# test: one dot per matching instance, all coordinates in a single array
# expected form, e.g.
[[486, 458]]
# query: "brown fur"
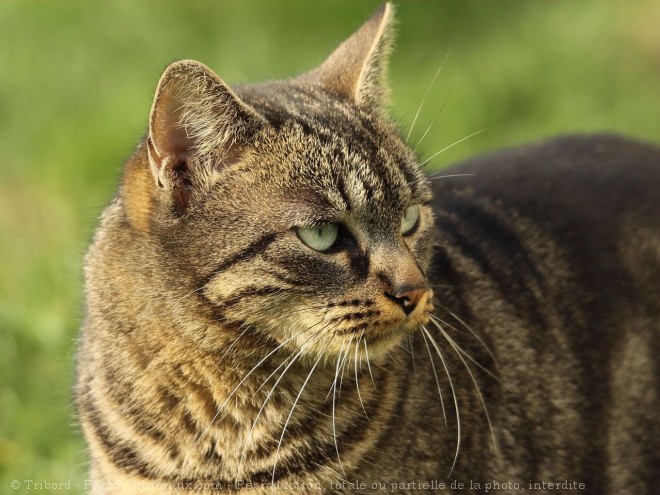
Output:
[[220, 350]]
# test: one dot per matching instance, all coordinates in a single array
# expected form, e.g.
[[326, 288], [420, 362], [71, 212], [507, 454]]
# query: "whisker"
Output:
[[231, 394], [366, 353], [231, 346], [437, 116], [261, 410], [437, 382], [357, 381], [270, 393], [334, 416], [463, 351], [428, 89], [474, 380], [286, 423], [343, 365], [438, 177], [191, 293], [450, 146], [475, 334], [263, 384], [302, 345], [412, 353], [395, 361], [453, 392]]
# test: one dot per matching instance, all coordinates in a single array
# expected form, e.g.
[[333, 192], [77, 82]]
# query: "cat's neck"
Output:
[[256, 412]]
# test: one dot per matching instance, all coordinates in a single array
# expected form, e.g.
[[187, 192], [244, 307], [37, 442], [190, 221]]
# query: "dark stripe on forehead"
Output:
[[378, 173], [254, 249], [410, 175], [341, 188], [369, 180]]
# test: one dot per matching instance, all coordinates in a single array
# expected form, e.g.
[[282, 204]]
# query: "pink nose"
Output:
[[408, 299]]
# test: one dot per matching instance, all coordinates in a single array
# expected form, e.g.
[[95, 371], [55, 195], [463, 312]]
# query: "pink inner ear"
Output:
[[168, 133]]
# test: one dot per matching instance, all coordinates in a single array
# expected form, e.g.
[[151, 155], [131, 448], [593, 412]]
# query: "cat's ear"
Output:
[[357, 68], [195, 114]]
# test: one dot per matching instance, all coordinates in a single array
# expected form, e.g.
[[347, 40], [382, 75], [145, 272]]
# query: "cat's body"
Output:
[[223, 349], [551, 253]]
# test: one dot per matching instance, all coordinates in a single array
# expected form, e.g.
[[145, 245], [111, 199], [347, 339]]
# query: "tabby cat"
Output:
[[280, 300]]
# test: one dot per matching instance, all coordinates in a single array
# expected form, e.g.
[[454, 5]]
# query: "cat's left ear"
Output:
[[195, 114], [357, 69]]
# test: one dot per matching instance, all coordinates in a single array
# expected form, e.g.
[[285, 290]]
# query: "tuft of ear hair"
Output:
[[195, 117], [357, 69]]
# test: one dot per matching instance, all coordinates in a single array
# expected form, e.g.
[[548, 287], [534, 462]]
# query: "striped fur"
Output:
[[221, 354]]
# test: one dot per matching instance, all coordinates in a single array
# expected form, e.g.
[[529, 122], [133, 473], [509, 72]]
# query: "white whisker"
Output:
[[453, 392], [438, 177], [343, 365], [419, 109], [474, 380], [412, 353], [465, 353], [231, 346], [254, 368], [191, 293], [231, 394], [334, 416], [263, 406], [450, 146], [286, 423], [437, 382], [437, 116], [475, 334], [357, 381], [366, 353]]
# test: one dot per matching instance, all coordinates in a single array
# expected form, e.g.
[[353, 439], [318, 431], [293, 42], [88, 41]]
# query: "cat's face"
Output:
[[313, 234], [294, 207]]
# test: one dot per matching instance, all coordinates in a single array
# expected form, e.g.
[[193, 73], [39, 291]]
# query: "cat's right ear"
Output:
[[195, 114], [356, 69]]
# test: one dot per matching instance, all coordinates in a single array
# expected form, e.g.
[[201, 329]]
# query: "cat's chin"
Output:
[[381, 341], [304, 334], [371, 343]]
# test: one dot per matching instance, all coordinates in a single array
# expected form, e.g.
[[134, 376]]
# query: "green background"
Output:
[[76, 81]]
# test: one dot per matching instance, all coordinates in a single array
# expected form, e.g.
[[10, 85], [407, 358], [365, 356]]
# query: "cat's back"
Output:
[[597, 175], [594, 198], [555, 250]]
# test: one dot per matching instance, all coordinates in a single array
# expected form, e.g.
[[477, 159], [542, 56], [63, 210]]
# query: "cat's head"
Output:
[[294, 207]]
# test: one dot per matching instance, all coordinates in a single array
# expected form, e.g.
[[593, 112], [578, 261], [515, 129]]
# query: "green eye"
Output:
[[409, 219], [320, 237]]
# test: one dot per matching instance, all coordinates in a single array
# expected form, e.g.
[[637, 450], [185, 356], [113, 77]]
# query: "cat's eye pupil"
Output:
[[410, 220], [319, 237]]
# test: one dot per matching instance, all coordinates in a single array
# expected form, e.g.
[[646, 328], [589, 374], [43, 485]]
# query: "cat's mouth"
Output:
[[383, 325], [370, 327]]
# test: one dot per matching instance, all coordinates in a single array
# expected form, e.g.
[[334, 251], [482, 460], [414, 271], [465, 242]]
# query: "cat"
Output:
[[278, 299]]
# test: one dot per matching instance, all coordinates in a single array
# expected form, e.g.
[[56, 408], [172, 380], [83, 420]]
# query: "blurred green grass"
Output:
[[76, 81]]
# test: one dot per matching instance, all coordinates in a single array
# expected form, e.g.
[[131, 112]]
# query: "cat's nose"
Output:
[[407, 298]]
